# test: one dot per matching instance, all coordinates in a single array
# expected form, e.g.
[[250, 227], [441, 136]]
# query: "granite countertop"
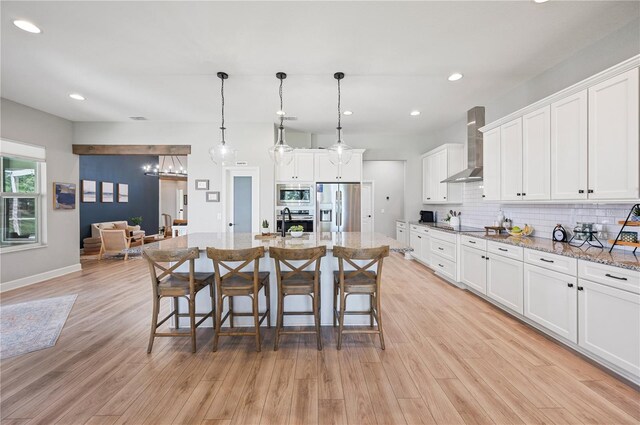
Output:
[[446, 228], [308, 240], [617, 258]]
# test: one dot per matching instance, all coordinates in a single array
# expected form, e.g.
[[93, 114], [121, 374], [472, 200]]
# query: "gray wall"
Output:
[[24, 124], [388, 182]]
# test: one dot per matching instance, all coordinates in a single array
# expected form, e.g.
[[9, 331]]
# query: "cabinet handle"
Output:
[[473, 242], [502, 249], [570, 285], [444, 197], [615, 277], [428, 199], [524, 194], [483, 256], [518, 194], [484, 196], [440, 265], [590, 191], [581, 191], [486, 258], [419, 237], [546, 261], [440, 248], [580, 288]]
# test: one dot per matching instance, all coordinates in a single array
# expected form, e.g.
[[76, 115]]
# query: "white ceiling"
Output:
[[159, 59]]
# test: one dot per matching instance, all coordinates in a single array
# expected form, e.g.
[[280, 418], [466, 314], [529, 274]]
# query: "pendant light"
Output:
[[281, 153], [339, 153], [222, 153]]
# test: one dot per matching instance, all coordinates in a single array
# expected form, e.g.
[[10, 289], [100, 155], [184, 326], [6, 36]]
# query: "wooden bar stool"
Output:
[[170, 283], [297, 281], [236, 283], [360, 281]]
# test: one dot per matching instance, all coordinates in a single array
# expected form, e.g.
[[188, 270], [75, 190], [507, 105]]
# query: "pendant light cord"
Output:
[[281, 110], [222, 97], [339, 115]]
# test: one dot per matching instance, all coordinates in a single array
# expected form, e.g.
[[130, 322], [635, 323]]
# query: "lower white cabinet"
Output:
[[609, 324], [425, 248], [551, 300], [401, 235], [415, 242], [473, 268], [504, 281]]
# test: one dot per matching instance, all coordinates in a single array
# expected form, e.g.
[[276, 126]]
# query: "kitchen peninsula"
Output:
[[309, 240]]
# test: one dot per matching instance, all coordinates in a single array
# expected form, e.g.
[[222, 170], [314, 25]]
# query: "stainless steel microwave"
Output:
[[298, 195]]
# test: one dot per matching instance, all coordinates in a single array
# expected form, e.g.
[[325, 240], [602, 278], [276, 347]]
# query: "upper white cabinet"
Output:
[[491, 155], [300, 169], [536, 155], [327, 172], [613, 138], [437, 165], [511, 160], [569, 141]]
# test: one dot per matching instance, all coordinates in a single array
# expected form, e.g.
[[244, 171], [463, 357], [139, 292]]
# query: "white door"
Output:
[[473, 270], [511, 160], [551, 300], [367, 208], [491, 170], [415, 242], [304, 163], [242, 199], [427, 187], [351, 172], [324, 170], [442, 167], [536, 155], [609, 324], [504, 281], [569, 147], [613, 138]]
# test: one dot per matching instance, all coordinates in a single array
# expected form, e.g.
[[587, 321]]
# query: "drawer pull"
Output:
[[570, 285], [419, 237], [580, 288], [615, 277], [441, 248], [546, 261], [484, 256], [473, 242], [502, 249], [440, 265]]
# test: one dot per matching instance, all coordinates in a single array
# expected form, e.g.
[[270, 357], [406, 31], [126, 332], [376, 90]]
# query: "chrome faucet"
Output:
[[284, 220]]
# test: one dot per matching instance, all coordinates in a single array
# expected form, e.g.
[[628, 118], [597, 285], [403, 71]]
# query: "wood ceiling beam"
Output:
[[131, 149]]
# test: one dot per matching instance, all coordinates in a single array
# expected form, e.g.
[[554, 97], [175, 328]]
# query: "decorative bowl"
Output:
[[296, 234], [525, 232]]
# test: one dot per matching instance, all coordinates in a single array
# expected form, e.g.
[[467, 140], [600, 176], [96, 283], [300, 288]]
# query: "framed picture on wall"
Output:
[[88, 190], [107, 191], [64, 196], [213, 197], [123, 192], [202, 184]]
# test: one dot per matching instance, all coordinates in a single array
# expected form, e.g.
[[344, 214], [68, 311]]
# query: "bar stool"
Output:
[[170, 283], [297, 281], [359, 281], [236, 283]]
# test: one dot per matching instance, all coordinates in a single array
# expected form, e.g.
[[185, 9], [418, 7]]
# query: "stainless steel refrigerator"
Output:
[[338, 207]]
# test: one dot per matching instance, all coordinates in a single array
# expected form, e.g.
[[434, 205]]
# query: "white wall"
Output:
[[388, 182], [251, 140], [61, 255]]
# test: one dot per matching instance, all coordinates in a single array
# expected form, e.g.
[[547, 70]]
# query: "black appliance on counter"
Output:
[[302, 218], [428, 216]]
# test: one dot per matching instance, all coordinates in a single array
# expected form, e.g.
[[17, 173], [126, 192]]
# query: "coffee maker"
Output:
[[427, 216]]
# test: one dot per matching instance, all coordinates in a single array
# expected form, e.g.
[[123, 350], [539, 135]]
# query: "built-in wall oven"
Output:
[[295, 195]]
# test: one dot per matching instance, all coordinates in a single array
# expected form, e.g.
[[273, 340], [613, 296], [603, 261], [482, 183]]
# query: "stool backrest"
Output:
[[285, 255], [222, 257], [349, 255], [156, 259]]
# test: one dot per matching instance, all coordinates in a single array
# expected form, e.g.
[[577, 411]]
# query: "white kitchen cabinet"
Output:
[[437, 165], [326, 172], [613, 138], [473, 268], [609, 324], [536, 155], [299, 169], [505, 281], [402, 232], [569, 147], [415, 242], [551, 300], [425, 247], [491, 168], [511, 160]]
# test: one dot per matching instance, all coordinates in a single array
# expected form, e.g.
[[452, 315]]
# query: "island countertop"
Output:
[[308, 240]]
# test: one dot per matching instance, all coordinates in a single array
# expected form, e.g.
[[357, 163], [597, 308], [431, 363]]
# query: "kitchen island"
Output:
[[292, 303]]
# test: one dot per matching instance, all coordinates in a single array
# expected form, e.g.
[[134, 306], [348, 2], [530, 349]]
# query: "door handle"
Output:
[[231, 224]]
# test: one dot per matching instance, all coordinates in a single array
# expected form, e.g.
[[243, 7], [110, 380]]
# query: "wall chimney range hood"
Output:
[[473, 173]]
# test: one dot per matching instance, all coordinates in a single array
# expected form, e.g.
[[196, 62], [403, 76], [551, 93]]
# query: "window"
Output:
[[21, 204]]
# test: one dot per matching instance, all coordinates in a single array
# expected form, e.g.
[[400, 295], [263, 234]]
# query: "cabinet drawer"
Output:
[[553, 262], [505, 250], [628, 280], [443, 266], [425, 231], [443, 236], [444, 249], [473, 242], [401, 224], [415, 228]]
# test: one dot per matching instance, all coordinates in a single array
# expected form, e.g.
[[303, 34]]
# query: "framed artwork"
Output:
[[202, 184], [107, 191], [123, 192], [88, 191], [64, 196], [213, 197]]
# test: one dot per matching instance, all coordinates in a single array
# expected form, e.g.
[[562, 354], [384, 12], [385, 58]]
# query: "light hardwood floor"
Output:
[[451, 358]]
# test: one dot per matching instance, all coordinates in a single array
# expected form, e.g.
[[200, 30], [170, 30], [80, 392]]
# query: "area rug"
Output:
[[32, 325]]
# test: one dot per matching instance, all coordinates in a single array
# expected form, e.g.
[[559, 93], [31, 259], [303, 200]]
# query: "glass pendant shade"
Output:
[[222, 154], [281, 153], [340, 153]]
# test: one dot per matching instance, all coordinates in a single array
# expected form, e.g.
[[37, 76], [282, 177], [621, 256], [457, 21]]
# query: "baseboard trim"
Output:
[[37, 278]]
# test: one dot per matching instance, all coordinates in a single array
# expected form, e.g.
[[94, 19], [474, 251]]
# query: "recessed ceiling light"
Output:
[[455, 76], [415, 113], [27, 26], [76, 96], [348, 112], [280, 113], [138, 118], [540, 1]]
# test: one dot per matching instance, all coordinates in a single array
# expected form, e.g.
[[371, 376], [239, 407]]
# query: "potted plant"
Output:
[[265, 227], [296, 231], [136, 221]]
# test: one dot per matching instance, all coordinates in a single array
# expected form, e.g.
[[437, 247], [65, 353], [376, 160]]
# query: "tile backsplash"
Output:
[[543, 217]]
